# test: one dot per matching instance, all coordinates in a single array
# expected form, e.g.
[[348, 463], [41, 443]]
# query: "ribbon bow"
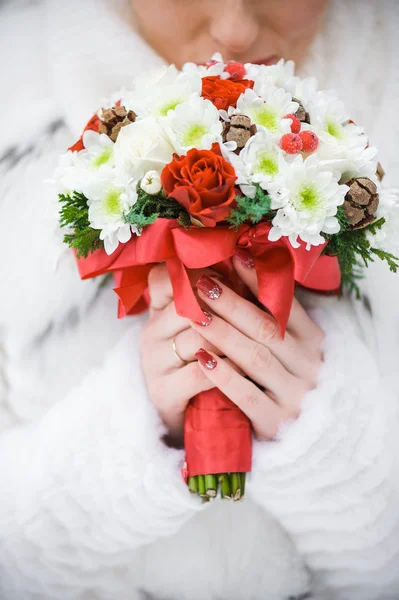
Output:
[[278, 265]]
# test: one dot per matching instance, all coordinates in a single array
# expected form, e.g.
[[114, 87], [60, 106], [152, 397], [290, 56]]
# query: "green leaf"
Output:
[[74, 214], [148, 208], [251, 210], [353, 250]]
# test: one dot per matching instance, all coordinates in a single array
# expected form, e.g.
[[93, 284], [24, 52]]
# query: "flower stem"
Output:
[[193, 484], [211, 485], [201, 485], [231, 485], [225, 485], [235, 479], [243, 478]]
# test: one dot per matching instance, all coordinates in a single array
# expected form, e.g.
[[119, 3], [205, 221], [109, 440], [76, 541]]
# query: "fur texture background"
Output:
[[92, 506]]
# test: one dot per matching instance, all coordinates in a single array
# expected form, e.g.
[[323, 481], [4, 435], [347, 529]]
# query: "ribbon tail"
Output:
[[276, 284], [185, 300], [130, 287]]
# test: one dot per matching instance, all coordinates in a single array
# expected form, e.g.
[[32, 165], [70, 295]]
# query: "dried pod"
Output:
[[301, 113], [238, 130], [361, 202], [113, 119], [380, 172]]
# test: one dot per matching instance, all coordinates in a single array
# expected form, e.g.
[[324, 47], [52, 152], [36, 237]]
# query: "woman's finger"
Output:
[[166, 323], [257, 325], [299, 323], [256, 360], [266, 416], [183, 384], [159, 287], [182, 348]]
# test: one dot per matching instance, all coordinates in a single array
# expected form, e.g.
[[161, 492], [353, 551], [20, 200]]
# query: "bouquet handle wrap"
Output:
[[217, 436]]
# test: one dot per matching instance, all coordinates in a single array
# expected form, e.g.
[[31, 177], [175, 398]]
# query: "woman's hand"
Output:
[[283, 370], [171, 381], [280, 371]]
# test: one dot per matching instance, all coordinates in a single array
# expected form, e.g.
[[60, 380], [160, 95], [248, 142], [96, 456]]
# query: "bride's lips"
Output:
[[269, 60]]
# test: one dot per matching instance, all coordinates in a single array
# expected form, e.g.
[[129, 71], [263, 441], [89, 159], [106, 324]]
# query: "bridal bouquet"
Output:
[[188, 166]]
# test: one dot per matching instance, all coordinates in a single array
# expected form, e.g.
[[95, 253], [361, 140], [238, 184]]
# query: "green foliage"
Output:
[[74, 214], [354, 251], [251, 210], [149, 208]]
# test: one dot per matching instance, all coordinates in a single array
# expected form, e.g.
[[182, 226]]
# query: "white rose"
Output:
[[151, 183], [141, 147]]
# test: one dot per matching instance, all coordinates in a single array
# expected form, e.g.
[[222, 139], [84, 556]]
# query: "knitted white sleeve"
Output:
[[87, 485], [332, 476]]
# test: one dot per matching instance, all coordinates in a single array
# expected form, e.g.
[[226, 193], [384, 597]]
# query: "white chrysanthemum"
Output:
[[109, 203], [155, 97], [99, 150], [70, 173], [387, 237], [151, 183], [258, 161], [141, 147], [75, 168], [195, 124], [215, 68], [332, 124], [349, 162], [281, 75], [269, 110], [307, 200]]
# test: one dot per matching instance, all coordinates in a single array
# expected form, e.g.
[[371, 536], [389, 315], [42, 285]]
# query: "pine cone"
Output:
[[361, 202], [113, 119], [239, 130], [301, 113]]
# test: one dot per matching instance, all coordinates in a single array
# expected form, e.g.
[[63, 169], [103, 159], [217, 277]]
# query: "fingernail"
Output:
[[209, 287], [209, 318], [245, 258], [206, 359]]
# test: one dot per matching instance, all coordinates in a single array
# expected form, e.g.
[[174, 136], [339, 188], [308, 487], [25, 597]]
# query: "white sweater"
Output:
[[92, 505]]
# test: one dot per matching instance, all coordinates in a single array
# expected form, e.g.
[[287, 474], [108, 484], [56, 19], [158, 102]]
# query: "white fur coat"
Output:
[[92, 505]]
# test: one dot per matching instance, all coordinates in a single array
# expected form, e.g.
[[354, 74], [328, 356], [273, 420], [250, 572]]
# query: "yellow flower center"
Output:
[[194, 134], [309, 199], [267, 164], [267, 117], [334, 128], [112, 203], [163, 111], [103, 157]]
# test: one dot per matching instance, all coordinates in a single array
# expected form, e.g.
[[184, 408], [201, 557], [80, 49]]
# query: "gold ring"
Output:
[[184, 362]]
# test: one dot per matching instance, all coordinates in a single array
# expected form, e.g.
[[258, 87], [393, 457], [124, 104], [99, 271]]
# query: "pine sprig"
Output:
[[148, 208], [354, 251], [74, 214], [251, 210]]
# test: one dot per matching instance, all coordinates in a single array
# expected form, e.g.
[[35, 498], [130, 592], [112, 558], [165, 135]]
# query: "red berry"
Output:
[[235, 69], [291, 143], [310, 141], [296, 124]]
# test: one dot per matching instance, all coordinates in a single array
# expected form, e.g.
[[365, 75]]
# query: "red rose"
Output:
[[202, 182], [224, 92]]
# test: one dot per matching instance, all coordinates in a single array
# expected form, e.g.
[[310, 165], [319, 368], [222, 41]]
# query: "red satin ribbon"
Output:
[[278, 265], [217, 436]]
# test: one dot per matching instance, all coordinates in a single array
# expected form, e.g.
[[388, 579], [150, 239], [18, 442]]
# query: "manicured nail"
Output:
[[208, 317], [245, 258], [206, 359], [209, 287]]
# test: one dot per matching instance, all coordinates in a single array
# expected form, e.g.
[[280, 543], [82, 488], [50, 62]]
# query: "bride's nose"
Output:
[[234, 26]]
